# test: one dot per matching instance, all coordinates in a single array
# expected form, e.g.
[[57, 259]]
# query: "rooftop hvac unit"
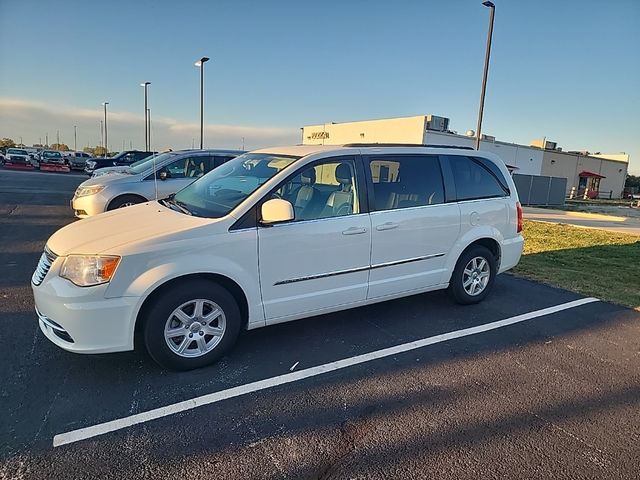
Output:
[[438, 124]]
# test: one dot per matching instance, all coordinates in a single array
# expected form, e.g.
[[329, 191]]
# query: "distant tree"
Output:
[[7, 143], [97, 151], [60, 146], [633, 181]]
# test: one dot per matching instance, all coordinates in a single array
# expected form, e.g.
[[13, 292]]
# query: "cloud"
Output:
[[34, 120]]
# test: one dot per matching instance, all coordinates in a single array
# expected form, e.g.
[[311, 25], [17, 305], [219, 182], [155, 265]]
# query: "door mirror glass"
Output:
[[276, 210], [163, 175]]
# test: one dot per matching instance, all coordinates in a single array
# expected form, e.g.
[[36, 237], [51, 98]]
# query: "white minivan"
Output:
[[275, 235]]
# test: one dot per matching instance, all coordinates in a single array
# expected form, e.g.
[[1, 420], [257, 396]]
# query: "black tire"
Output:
[[124, 201], [456, 284], [158, 314]]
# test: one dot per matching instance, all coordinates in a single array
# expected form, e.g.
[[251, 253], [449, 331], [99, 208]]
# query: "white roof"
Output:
[[299, 150]]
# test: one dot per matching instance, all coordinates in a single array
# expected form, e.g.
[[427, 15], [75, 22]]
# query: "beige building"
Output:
[[420, 130], [600, 173], [387, 130]]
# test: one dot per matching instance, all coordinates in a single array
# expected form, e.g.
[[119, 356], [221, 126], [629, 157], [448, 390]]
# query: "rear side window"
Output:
[[496, 172], [475, 178], [406, 181], [220, 159]]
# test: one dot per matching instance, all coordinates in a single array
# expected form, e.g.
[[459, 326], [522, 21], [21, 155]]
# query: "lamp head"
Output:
[[200, 62], [488, 4]]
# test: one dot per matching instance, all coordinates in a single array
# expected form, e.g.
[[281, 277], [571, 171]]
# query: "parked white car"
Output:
[[17, 155], [277, 235]]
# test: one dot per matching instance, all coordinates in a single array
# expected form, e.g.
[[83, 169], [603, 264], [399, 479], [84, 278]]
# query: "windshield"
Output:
[[52, 155], [224, 188], [16, 151], [146, 163]]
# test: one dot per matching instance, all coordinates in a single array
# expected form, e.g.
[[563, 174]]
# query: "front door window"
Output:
[[322, 191]]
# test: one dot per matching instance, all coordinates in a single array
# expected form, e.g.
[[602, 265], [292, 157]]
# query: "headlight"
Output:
[[91, 164], [89, 270], [92, 190]]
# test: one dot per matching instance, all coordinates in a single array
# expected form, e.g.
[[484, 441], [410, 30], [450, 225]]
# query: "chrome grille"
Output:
[[46, 260]]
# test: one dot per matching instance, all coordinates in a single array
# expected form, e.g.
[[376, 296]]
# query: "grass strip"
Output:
[[588, 261]]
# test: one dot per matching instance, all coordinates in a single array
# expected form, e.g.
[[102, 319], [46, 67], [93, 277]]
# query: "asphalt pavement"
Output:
[[548, 396]]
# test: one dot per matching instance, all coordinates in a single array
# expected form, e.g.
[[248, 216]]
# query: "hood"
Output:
[[105, 232], [109, 170], [106, 180]]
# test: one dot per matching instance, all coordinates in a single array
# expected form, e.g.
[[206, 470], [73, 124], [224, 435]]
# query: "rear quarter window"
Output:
[[477, 178]]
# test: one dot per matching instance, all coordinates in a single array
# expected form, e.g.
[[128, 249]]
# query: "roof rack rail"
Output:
[[460, 147]]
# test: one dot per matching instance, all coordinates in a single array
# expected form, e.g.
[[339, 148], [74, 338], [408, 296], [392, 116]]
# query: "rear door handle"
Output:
[[354, 231], [387, 226]]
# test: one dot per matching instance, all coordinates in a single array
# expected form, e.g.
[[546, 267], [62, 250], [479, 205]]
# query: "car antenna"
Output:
[[155, 175]]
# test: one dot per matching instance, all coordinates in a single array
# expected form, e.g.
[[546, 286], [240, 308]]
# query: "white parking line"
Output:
[[120, 423]]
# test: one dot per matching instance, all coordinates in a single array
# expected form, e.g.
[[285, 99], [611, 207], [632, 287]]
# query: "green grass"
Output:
[[599, 201], [588, 261]]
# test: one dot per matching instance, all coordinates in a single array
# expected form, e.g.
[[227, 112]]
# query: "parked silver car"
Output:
[[173, 170]]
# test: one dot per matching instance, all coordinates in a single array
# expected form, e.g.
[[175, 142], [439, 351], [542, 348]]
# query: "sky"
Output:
[[568, 70]]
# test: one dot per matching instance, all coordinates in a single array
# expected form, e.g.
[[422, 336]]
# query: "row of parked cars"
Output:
[[198, 245], [74, 160]]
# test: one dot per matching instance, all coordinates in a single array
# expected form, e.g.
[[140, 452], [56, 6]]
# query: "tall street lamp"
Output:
[[146, 121], [200, 63], [75, 138], [106, 141], [487, 54]]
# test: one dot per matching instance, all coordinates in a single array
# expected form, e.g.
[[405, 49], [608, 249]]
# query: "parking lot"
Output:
[[533, 382]]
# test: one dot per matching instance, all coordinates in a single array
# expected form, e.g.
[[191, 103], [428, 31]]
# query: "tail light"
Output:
[[519, 210]]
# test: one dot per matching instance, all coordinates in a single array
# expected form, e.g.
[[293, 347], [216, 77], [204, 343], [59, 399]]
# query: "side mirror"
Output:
[[276, 210], [163, 175]]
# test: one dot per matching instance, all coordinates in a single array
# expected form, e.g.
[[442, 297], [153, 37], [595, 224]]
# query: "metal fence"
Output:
[[540, 190]]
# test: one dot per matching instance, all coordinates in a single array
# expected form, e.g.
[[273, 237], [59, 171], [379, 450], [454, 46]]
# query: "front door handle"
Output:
[[387, 226], [354, 231]]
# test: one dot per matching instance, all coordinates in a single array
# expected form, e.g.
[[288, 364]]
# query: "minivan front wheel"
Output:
[[473, 275], [191, 325]]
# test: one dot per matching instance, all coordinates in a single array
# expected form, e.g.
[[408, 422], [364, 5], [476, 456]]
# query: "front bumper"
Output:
[[89, 205], [81, 319]]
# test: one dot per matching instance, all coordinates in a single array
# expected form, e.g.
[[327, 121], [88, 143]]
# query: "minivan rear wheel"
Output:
[[191, 325], [473, 277]]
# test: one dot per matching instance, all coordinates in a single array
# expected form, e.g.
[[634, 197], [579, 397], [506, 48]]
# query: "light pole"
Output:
[[75, 138], [200, 63], [487, 54], [106, 141], [145, 85], [102, 133]]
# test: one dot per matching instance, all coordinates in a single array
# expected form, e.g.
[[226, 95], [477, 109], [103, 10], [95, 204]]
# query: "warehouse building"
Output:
[[585, 173]]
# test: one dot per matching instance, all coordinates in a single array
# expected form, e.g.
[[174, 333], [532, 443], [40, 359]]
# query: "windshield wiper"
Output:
[[171, 202]]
